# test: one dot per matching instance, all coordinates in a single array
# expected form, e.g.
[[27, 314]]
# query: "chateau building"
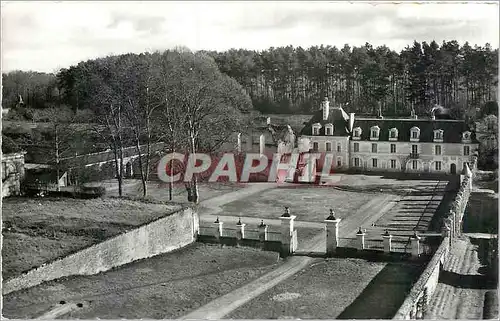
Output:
[[418, 145]]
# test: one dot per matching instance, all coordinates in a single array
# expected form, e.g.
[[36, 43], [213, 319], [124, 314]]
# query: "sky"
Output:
[[46, 36]]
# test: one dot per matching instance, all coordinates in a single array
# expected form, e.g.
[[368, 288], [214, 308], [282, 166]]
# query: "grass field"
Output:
[[159, 191], [308, 203], [321, 291], [165, 286], [336, 288], [41, 230]]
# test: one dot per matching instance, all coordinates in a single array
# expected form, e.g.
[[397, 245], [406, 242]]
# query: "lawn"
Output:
[[308, 203], [321, 291], [38, 230], [166, 286], [159, 191]]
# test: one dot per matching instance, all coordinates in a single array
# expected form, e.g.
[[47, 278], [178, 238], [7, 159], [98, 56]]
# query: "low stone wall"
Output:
[[454, 218], [419, 297], [273, 246], [163, 235]]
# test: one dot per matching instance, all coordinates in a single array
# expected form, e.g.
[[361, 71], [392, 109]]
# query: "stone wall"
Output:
[[414, 306], [420, 294], [454, 217], [163, 235], [12, 173]]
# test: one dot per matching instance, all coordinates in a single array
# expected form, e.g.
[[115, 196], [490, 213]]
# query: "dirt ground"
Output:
[[38, 230], [462, 285], [166, 286]]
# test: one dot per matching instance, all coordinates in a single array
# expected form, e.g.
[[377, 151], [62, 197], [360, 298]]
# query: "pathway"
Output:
[[459, 293], [224, 305]]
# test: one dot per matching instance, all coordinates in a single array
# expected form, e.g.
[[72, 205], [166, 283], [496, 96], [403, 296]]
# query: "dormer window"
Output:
[[315, 129], [466, 137], [438, 135], [356, 133], [414, 134], [329, 129], [393, 134], [374, 132]]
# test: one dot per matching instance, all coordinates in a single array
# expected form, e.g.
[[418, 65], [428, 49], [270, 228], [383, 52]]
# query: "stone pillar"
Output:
[[360, 236], [262, 231], [415, 245], [262, 144], [387, 242], [238, 146], [287, 227], [217, 229], [332, 233], [240, 232]]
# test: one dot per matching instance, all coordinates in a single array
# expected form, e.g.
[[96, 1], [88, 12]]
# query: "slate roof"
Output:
[[452, 129], [337, 116]]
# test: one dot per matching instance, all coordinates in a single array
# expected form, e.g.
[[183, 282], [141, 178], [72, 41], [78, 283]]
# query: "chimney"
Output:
[[351, 121], [326, 108], [413, 115], [380, 111], [433, 115], [268, 121]]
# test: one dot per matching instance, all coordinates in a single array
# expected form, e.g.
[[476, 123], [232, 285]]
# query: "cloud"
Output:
[[46, 36]]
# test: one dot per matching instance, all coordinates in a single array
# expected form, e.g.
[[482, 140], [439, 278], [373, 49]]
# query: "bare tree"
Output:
[[210, 105]]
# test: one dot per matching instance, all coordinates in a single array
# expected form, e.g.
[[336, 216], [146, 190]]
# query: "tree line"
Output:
[[294, 80]]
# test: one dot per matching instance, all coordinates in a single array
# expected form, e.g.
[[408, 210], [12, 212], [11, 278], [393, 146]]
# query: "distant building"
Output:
[[12, 173], [417, 145]]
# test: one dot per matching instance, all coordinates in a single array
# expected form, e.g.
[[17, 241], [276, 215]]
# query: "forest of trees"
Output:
[[294, 80]]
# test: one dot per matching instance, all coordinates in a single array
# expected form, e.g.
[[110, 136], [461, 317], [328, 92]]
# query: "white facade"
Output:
[[411, 157]]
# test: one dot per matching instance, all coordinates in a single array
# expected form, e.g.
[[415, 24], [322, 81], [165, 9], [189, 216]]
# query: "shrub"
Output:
[[96, 191]]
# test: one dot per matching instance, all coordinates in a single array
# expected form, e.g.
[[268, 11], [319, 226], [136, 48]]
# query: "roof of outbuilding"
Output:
[[452, 129]]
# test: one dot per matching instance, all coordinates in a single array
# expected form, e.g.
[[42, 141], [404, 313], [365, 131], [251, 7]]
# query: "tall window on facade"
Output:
[[438, 166], [339, 162], [466, 150], [393, 163], [328, 147], [414, 149], [356, 147], [437, 149], [414, 164], [356, 162], [414, 134], [393, 148], [315, 131], [392, 134], [315, 146], [374, 162], [374, 148], [374, 133], [329, 130], [339, 148]]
